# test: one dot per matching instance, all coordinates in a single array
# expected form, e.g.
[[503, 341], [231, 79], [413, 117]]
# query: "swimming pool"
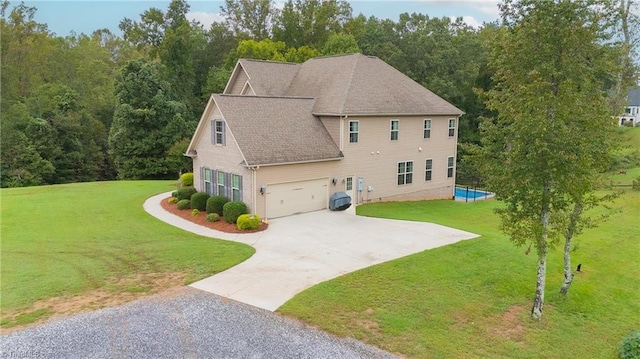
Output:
[[462, 194]]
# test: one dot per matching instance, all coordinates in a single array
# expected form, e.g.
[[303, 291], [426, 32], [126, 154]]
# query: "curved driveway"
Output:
[[299, 251]]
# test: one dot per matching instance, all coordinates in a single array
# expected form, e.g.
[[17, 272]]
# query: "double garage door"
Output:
[[285, 199]]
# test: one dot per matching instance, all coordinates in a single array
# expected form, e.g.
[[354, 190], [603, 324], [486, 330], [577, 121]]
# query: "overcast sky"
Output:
[[85, 16]]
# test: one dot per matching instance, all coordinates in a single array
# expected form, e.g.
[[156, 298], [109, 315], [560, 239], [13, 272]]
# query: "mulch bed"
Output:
[[201, 219]]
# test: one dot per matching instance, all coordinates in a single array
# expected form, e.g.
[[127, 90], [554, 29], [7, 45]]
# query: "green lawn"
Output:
[[67, 240], [472, 299]]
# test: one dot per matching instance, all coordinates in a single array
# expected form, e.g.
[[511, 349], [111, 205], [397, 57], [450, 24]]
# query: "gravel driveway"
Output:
[[184, 323]]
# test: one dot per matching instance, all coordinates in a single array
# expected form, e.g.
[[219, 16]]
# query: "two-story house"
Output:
[[632, 111], [284, 137]]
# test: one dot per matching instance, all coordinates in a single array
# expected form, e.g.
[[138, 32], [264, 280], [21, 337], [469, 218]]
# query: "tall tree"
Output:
[[310, 22], [553, 128], [249, 18], [146, 122]]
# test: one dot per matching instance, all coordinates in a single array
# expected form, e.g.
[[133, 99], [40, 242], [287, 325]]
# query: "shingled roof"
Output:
[[268, 78], [352, 84], [276, 130]]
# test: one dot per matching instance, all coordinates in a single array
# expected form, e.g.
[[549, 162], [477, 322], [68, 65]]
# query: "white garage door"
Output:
[[285, 199]]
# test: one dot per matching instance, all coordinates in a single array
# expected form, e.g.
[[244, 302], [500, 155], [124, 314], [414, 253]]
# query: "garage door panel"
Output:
[[285, 199]]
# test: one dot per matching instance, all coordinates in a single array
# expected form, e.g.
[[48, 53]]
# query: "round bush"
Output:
[[232, 210], [248, 221], [172, 200], [185, 193], [630, 347], [174, 194], [213, 217], [195, 212], [199, 201], [184, 204], [215, 204], [186, 180]]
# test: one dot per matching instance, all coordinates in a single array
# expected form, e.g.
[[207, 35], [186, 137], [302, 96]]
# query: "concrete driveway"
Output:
[[300, 251]]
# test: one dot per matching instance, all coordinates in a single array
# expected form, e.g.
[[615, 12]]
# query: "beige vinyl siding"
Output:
[[375, 157], [227, 158], [238, 82], [332, 124]]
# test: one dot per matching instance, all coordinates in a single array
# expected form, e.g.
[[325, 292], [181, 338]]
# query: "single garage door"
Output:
[[285, 199]]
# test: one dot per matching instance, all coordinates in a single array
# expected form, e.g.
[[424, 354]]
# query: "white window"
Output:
[[450, 163], [452, 127], [427, 129], [349, 184], [395, 127], [236, 187], [353, 131], [405, 172], [428, 169], [217, 132]]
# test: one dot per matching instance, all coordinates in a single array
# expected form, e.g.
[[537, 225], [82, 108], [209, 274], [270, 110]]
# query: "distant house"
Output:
[[284, 137], [632, 111]]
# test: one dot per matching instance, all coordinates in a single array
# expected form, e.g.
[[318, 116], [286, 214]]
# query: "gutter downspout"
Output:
[[254, 188]]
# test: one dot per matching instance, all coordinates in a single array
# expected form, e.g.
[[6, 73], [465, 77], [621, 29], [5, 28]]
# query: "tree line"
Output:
[[102, 106]]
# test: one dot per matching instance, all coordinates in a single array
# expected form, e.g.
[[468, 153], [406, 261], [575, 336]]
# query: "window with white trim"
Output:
[[428, 169], [426, 129], [395, 128], [452, 127], [353, 131], [450, 163], [236, 187], [349, 184], [405, 172], [217, 132]]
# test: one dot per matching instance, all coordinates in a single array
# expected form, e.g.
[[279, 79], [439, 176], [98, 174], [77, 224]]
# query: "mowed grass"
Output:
[[67, 240], [473, 299]]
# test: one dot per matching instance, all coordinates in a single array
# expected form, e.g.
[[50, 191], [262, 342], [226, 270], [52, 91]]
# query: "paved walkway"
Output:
[[300, 251]]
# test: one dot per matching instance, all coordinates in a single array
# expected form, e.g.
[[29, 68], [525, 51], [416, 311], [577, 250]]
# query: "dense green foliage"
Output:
[[199, 201], [215, 204], [630, 347], [472, 299], [232, 210], [213, 217], [185, 193], [186, 179], [75, 246], [184, 204], [248, 222]]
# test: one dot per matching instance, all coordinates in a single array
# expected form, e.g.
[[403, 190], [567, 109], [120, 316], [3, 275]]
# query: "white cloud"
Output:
[[469, 20], [205, 18], [487, 7]]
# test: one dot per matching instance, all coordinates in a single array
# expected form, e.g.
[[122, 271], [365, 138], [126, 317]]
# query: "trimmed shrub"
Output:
[[185, 193], [184, 204], [199, 201], [213, 217], [630, 347], [215, 204], [195, 212], [172, 200], [232, 210], [174, 194], [248, 221], [186, 180]]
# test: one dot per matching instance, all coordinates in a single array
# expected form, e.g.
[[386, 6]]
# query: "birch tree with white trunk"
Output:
[[551, 137]]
